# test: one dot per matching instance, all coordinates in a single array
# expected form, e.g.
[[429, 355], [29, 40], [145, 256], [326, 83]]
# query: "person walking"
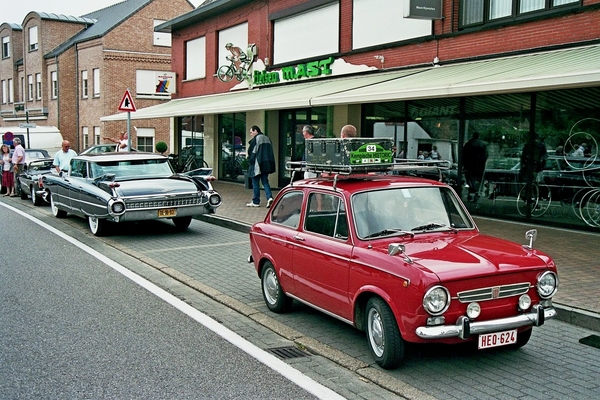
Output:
[[261, 163], [63, 157], [18, 162], [8, 181], [474, 158]]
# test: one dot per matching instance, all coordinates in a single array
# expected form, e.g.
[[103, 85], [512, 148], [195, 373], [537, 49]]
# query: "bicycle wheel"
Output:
[[589, 209], [541, 198], [225, 73]]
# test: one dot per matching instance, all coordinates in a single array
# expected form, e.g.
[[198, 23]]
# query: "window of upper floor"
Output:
[[4, 91], [289, 42], [479, 12], [38, 86], [33, 38], [97, 135], [11, 91], [30, 87], [5, 46], [96, 77], [390, 27], [85, 135], [160, 38], [84, 84], [236, 35], [54, 84], [195, 58]]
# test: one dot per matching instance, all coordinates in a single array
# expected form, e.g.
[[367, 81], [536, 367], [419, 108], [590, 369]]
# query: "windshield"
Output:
[[407, 211], [132, 168]]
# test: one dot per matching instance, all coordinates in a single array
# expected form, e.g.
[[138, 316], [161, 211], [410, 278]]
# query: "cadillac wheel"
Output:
[[55, 210], [98, 226], [385, 342]]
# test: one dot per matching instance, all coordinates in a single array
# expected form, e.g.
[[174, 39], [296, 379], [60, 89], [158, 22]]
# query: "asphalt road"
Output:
[[211, 259], [76, 325]]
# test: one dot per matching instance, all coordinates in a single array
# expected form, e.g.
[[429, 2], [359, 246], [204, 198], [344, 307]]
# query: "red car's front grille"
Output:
[[494, 292]]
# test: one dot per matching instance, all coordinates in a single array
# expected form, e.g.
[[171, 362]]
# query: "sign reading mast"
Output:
[[127, 103]]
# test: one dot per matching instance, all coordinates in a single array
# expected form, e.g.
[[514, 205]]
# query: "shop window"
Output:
[[477, 12]]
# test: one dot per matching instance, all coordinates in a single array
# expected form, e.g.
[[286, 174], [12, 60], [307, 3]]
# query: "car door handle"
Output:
[[299, 238]]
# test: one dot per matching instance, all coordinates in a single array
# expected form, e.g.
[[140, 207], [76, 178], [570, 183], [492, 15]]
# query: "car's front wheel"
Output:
[[385, 342], [58, 213], [182, 223], [276, 300], [98, 226]]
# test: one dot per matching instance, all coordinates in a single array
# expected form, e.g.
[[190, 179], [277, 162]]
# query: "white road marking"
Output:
[[267, 359]]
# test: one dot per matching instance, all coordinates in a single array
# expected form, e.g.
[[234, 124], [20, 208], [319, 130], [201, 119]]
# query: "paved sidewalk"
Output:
[[575, 253]]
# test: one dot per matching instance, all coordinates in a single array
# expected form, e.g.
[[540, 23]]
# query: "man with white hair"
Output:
[[18, 161]]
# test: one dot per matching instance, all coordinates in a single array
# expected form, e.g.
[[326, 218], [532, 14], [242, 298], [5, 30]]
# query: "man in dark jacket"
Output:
[[474, 157], [261, 163]]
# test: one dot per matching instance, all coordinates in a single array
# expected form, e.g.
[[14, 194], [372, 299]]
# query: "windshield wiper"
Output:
[[390, 231], [433, 225]]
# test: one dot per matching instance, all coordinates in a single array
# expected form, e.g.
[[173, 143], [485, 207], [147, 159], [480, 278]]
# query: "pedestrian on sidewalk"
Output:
[[8, 181], [261, 163], [18, 162]]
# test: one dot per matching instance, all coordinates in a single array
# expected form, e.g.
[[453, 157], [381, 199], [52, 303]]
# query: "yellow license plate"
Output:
[[167, 213]]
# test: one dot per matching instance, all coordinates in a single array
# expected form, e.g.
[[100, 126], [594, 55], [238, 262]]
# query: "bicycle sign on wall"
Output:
[[240, 63]]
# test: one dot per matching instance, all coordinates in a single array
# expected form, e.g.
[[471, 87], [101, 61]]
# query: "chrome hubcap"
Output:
[[376, 332]]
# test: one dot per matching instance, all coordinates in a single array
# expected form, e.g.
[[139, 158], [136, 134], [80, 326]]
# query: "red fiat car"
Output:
[[400, 258]]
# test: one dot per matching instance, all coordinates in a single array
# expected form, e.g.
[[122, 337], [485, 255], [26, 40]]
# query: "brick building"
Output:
[[66, 72], [427, 73]]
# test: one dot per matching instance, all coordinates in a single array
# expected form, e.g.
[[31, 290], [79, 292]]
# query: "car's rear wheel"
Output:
[[58, 213], [182, 223], [385, 342], [275, 299], [34, 199], [98, 226]]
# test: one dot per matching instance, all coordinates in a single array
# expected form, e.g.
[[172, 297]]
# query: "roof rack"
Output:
[[400, 166]]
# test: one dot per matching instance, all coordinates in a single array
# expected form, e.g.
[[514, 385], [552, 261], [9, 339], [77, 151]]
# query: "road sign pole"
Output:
[[128, 131]]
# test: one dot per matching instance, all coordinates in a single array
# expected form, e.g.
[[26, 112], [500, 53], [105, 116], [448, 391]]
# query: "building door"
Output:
[[232, 131], [291, 143]]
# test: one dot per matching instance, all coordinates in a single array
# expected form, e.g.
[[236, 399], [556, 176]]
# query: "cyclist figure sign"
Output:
[[240, 63]]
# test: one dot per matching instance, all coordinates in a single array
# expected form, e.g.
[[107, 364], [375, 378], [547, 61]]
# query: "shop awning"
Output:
[[560, 69], [263, 98]]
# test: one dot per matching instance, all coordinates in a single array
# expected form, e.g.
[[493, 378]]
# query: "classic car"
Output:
[[121, 187], [102, 148], [399, 257], [30, 181]]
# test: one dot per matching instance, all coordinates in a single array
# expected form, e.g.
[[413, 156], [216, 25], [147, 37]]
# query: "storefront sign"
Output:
[[423, 9], [310, 69]]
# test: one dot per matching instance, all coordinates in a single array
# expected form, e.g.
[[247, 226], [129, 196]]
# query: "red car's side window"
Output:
[[287, 210], [326, 215]]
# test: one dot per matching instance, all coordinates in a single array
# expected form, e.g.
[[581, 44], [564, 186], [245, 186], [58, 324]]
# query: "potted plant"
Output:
[[161, 147]]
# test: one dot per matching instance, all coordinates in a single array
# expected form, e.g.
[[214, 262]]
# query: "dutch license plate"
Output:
[[167, 212], [497, 339]]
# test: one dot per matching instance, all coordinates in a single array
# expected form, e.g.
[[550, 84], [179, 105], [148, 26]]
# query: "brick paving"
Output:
[[575, 252]]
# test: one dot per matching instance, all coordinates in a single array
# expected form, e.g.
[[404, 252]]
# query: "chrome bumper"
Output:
[[465, 328]]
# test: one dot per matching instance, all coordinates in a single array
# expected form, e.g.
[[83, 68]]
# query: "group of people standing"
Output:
[[261, 160], [12, 166]]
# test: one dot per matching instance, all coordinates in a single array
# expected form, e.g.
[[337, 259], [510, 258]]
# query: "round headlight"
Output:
[[547, 284], [214, 199], [524, 302], [473, 310], [436, 300], [117, 207]]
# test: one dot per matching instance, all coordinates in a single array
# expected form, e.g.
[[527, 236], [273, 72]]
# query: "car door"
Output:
[[321, 258]]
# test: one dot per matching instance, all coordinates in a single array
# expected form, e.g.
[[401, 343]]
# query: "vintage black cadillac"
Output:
[[120, 187]]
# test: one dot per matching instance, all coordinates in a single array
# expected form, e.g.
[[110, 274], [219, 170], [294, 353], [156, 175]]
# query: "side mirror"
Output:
[[396, 248]]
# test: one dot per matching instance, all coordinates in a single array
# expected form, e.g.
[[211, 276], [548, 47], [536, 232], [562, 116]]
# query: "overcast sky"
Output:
[[15, 11]]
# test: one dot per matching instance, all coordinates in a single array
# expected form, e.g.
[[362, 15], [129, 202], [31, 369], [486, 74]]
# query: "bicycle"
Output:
[[225, 73], [540, 200]]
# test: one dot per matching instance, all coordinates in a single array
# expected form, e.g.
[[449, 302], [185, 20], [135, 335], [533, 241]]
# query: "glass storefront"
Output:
[[232, 131], [541, 150], [291, 147]]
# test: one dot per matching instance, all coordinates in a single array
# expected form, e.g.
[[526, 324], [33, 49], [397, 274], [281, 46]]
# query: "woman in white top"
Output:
[[8, 180]]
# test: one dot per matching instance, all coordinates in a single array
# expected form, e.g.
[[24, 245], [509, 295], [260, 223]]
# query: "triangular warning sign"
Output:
[[127, 102]]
